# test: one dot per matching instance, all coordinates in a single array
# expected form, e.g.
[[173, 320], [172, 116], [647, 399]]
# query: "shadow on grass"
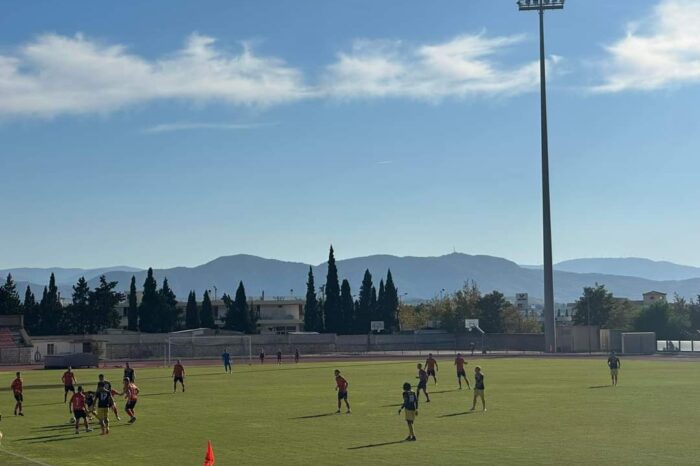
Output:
[[443, 391], [156, 394], [392, 406], [600, 386], [457, 414], [372, 445], [313, 416], [32, 405]]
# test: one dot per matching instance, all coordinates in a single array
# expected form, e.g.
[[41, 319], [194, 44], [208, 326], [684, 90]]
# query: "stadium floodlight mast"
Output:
[[550, 334]]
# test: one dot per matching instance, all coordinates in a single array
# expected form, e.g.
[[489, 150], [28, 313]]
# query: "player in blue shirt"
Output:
[[227, 361], [410, 404]]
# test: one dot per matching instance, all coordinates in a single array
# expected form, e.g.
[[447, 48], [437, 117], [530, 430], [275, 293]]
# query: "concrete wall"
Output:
[[577, 338], [638, 342]]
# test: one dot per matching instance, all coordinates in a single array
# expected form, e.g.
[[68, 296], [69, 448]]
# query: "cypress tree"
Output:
[[192, 312], [133, 311], [168, 313], [150, 302], [390, 306], [245, 319], [364, 308], [31, 311], [9, 298], [347, 308], [207, 313], [331, 305], [50, 309], [231, 317], [312, 315], [379, 312]]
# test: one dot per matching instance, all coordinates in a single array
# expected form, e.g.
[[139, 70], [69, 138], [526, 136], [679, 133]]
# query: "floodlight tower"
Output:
[[550, 334]]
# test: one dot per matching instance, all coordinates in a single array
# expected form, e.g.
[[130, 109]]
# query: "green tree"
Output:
[[245, 319], [312, 314], [9, 298], [347, 308], [695, 315], [654, 318], [192, 311], [331, 306], [50, 309], [31, 312], [133, 311], [596, 300], [390, 307], [78, 314], [103, 303], [206, 315], [491, 307], [150, 305], [364, 305], [622, 315], [168, 313]]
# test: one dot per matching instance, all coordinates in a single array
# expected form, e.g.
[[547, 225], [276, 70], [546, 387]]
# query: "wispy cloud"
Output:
[[74, 75], [660, 51], [170, 127], [462, 67], [58, 75]]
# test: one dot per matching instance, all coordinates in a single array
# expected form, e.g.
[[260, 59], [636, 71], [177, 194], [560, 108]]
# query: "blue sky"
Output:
[[170, 133]]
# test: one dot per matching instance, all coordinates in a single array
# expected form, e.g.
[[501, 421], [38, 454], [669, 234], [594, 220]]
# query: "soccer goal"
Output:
[[240, 347]]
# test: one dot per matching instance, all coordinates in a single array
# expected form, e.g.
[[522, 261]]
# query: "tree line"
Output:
[[448, 312], [337, 310], [677, 320], [90, 311]]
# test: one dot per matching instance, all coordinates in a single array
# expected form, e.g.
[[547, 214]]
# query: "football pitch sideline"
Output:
[[540, 411]]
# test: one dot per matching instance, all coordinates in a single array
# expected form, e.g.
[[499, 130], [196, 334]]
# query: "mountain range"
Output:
[[417, 277]]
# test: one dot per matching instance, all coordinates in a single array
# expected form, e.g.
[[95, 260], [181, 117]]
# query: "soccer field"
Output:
[[540, 411]]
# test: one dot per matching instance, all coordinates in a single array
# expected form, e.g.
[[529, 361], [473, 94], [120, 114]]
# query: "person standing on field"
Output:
[[69, 382], [17, 391], [342, 389], [279, 356], [431, 367], [478, 388], [129, 373], [296, 355], [226, 357], [262, 356], [461, 373], [614, 364], [410, 404], [178, 376]]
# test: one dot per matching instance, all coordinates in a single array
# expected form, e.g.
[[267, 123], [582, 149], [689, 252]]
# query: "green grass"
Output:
[[540, 411]]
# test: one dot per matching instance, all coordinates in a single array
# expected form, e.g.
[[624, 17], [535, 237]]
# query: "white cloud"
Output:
[[461, 67], [57, 75], [185, 126], [661, 51]]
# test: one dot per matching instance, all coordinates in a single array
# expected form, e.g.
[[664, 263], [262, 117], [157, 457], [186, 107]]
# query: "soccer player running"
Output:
[[279, 356], [69, 381], [131, 393], [432, 367], [78, 406], [17, 391], [410, 404], [341, 386], [422, 383], [104, 403], [129, 373], [461, 374], [478, 388], [108, 386], [614, 364], [178, 376], [226, 357]]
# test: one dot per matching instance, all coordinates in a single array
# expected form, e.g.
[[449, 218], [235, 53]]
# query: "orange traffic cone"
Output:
[[209, 457]]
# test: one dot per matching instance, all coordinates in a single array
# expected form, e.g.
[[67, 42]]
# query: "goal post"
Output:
[[208, 347]]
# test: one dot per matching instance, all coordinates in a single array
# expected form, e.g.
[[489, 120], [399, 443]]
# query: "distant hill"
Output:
[[631, 267], [63, 276], [418, 277]]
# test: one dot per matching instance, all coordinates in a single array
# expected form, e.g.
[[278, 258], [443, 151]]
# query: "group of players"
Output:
[[410, 398], [98, 403]]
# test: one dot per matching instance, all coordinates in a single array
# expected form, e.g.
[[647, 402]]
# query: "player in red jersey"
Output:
[[131, 393], [178, 376], [78, 406], [431, 366], [17, 389], [461, 373], [69, 381], [342, 389]]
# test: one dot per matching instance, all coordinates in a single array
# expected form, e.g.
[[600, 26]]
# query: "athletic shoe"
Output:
[[408, 439], [413, 439], [348, 412], [88, 430]]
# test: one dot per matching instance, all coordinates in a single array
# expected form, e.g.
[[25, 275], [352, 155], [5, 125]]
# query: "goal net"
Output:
[[208, 347]]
